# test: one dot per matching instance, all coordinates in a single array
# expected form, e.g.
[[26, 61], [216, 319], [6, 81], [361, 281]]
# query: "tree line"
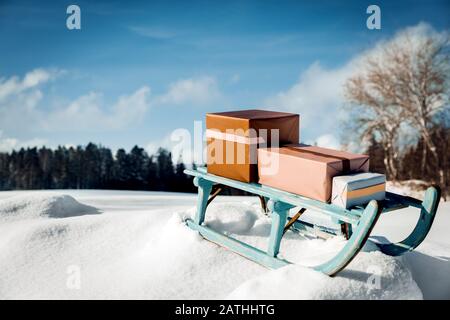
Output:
[[95, 167], [92, 167], [413, 162]]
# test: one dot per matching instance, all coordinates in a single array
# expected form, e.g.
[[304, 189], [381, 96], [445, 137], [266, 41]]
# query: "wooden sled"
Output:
[[355, 224]]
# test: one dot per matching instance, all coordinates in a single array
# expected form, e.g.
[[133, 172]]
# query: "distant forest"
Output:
[[95, 167], [92, 167]]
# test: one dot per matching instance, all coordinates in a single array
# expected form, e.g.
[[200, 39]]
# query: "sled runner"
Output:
[[355, 224]]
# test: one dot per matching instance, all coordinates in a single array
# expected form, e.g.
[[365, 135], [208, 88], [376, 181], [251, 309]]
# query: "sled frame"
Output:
[[356, 223]]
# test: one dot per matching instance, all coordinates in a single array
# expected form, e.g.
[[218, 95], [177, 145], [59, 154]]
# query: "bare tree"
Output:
[[372, 115], [405, 82], [423, 89]]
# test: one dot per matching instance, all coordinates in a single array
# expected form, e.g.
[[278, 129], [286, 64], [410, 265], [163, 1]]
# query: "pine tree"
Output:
[[32, 173], [4, 171], [137, 167], [106, 167], [121, 169], [92, 166], [46, 164], [165, 170], [152, 174]]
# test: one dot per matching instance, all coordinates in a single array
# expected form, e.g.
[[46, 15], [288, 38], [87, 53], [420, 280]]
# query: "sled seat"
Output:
[[349, 216]]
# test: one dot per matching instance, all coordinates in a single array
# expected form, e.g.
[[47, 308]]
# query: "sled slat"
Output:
[[239, 247], [428, 209], [349, 216]]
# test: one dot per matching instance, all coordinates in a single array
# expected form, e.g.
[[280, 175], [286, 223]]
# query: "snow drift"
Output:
[[372, 276], [54, 247], [42, 205]]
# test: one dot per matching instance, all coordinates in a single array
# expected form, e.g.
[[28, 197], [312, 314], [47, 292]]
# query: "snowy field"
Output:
[[133, 245]]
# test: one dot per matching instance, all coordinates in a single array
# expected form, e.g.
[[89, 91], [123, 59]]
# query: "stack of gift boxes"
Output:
[[264, 147]]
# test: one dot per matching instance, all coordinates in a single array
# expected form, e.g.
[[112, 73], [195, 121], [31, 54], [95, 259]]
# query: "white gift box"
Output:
[[358, 189]]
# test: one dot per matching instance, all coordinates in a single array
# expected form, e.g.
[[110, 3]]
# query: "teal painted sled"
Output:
[[355, 224]]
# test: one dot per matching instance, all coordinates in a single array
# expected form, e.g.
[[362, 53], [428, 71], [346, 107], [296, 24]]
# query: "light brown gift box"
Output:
[[242, 164], [307, 170]]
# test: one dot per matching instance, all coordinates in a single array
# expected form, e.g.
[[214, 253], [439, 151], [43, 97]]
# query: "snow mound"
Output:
[[372, 275], [140, 248], [42, 206], [232, 218]]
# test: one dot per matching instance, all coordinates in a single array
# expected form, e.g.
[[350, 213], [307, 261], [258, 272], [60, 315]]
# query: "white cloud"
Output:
[[21, 110], [24, 113], [8, 144], [14, 85], [131, 108], [326, 141], [89, 112], [31, 99], [414, 36], [235, 78], [318, 94], [19, 98], [183, 144], [199, 90], [36, 77], [177, 143]]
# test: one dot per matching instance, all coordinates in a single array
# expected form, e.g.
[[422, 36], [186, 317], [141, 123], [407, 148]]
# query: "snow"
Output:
[[297, 282], [413, 188], [40, 206], [95, 244]]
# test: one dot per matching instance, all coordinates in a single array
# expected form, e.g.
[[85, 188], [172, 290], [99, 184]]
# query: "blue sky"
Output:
[[137, 70]]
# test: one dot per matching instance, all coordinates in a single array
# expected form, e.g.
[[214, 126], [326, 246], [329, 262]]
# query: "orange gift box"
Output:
[[233, 138]]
